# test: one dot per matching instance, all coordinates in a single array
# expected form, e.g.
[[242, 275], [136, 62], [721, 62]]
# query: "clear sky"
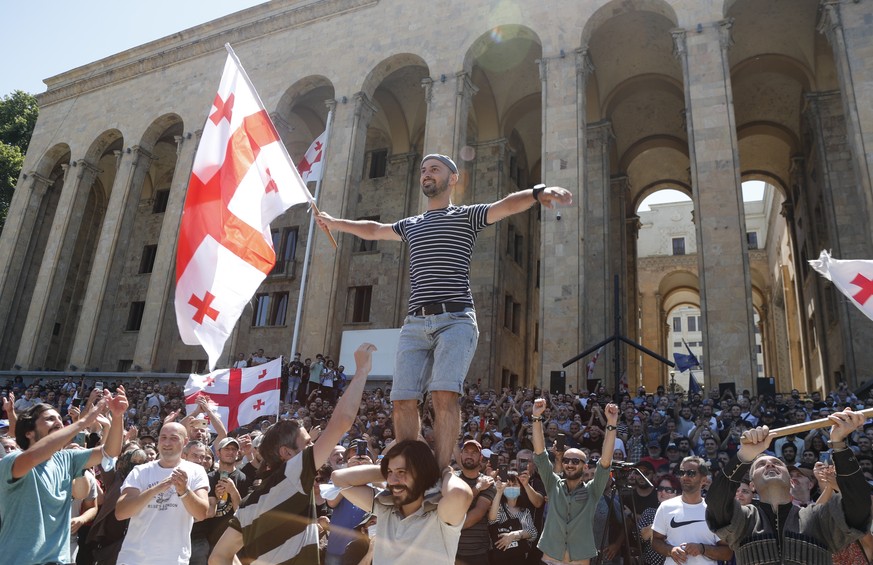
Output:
[[43, 38], [753, 190]]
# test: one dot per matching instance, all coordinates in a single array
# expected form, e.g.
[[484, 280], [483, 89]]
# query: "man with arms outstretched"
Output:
[[439, 336]]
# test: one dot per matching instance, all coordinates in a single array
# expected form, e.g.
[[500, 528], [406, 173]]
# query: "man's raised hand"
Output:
[[364, 357]]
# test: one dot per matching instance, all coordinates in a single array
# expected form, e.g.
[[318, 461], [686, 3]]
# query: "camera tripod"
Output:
[[619, 489]]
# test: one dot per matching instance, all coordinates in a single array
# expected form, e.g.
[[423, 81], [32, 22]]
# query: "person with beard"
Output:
[[36, 483], [475, 540], [409, 529], [439, 336], [679, 531], [276, 522], [772, 527], [568, 534]]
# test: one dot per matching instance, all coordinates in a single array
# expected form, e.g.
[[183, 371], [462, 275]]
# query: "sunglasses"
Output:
[[668, 490], [689, 473], [570, 460]]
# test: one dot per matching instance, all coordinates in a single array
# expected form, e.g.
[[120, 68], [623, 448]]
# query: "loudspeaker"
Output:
[[558, 382], [767, 386]]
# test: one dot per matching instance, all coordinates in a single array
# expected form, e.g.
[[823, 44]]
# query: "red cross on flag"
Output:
[[310, 166], [241, 395], [242, 179], [854, 278]]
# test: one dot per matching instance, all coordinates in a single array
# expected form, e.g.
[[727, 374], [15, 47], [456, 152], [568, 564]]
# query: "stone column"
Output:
[[598, 246], [163, 275], [848, 220], [722, 255], [563, 164], [55, 265], [112, 252], [21, 222], [847, 27], [409, 162], [448, 105], [631, 295], [325, 303]]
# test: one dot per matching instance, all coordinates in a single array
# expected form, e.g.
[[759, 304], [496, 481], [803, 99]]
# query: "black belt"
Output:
[[440, 308]]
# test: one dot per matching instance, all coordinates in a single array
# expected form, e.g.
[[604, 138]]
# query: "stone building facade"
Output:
[[613, 99]]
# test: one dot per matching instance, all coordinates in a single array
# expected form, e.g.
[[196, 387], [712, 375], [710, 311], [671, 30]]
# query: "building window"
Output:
[[147, 263], [365, 245], [518, 249], [162, 197], [692, 323], [134, 316], [262, 310], [511, 314], [678, 246], [358, 309], [677, 324], [677, 344], [378, 163], [270, 309], [124, 365], [285, 245], [752, 239], [510, 239]]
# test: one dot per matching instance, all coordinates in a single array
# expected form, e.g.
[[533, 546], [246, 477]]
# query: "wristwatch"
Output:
[[537, 190], [610, 427]]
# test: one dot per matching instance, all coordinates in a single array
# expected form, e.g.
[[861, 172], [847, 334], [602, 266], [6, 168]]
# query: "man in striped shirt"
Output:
[[439, 335]]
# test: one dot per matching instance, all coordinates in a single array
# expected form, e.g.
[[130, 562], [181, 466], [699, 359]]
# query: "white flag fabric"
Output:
[[854, 278], [240, 395], [241, 181], [311, 165]]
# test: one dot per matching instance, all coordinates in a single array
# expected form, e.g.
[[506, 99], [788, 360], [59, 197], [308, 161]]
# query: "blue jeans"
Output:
[[434, 353]]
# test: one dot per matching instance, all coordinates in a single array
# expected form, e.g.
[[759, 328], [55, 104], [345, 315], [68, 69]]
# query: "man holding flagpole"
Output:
[[439, 335]]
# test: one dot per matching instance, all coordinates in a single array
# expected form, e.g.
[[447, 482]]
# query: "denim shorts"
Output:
[[434, 353]]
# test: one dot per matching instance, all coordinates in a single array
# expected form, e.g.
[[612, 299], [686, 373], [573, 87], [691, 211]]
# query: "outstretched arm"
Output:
[[347, 408], [365, 229], [524, 199]]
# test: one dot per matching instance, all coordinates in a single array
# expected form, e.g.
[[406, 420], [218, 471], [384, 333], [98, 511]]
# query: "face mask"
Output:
[[512, 492]]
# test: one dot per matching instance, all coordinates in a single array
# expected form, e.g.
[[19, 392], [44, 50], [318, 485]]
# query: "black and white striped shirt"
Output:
[[278, 519], [440, 248]]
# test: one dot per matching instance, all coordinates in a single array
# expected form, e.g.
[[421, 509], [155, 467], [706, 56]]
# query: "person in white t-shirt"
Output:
[[680, 532], [162, 498]]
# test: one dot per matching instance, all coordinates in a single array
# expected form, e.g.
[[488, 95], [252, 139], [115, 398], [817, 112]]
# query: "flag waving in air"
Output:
[[242, 179], [852, 278], [685, 362], [241, 396], [310, 166]]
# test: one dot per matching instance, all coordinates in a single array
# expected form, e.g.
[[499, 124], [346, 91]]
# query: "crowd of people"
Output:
[[663, 453], [434, 469]]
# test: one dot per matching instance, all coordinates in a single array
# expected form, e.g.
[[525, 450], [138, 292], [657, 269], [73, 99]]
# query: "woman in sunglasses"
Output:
[[667, 487]]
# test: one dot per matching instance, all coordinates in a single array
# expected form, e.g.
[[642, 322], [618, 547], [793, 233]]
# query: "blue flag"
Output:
[[685, 362], [694, 386]]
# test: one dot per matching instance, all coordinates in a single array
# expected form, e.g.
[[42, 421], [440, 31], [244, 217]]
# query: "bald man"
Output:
[[162, 498], [568, 535]]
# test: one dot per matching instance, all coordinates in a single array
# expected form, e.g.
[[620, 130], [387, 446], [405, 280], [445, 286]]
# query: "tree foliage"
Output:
[[18, 113]]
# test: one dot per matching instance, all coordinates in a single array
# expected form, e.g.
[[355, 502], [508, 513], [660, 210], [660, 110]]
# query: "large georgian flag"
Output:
[[242, 179], [241, 396], [310, 166], [853, 278]]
